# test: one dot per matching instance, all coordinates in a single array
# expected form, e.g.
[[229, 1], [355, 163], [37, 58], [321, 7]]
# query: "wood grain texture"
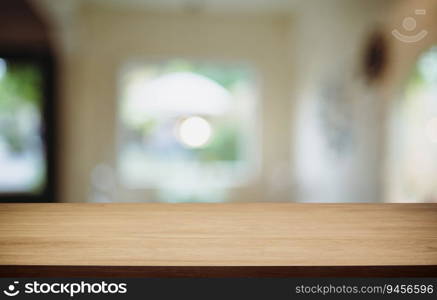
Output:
[[255, 234]]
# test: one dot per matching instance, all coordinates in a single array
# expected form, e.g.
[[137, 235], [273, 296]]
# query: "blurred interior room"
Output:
[[218, 101]]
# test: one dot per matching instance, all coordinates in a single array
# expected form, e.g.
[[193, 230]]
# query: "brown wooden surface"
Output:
[[218, 235]]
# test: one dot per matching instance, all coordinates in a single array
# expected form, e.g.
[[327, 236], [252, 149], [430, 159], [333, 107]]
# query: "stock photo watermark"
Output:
[[409, 24], [70, 289]]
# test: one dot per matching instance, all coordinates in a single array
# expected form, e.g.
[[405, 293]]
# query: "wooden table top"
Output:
[[255, 234]]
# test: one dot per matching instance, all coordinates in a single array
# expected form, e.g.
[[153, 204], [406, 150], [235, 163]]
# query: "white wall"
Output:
[[339, 117]]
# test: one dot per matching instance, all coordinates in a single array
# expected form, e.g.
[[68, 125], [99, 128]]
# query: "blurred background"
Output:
[[218, 101]]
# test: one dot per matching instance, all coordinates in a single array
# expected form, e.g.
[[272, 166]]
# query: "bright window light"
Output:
[[194, 132], [2, 68], [412, 157], [187, 129]]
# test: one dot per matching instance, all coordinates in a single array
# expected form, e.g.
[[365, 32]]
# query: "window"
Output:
[[413, 148], [186, 129], [24, 163]]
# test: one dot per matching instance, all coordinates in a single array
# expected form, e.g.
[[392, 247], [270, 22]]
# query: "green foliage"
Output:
[[20, 85], [424, 74], [223, 146], [20, 102]]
